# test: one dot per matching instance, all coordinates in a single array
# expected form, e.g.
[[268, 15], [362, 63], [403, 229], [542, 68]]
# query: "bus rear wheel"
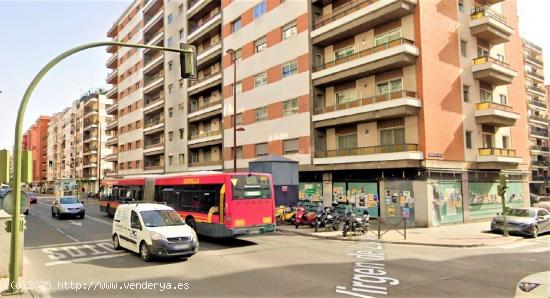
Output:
[[190, 221]]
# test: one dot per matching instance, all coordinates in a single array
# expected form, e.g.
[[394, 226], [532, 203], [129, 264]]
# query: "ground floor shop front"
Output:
[[424, 198]]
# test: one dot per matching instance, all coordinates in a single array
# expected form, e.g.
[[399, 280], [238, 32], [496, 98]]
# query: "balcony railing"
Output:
[[148, 80], [191, 3], [493, 105], [538, 118], [496, 151], [539, 132], [540, 148], [195, 27], [365, 101], [205, 78], [152, 145], [154, 166], [537, 103], [482, 11], [341, 11], [152, 122], [152, 36], [536, 89], [540, 163], [204, 106], [148, 61], [535, 74], [487, 59], [205, 134], [204, 49], [540, 178], [205, 163], [534, 59], [367, 150], [364, 53], [153, 100]]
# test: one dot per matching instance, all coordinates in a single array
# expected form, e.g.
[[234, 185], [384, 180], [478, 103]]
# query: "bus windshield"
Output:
[[251, 187]]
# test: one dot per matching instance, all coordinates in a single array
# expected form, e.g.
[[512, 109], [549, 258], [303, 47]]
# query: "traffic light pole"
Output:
[[15, 252]]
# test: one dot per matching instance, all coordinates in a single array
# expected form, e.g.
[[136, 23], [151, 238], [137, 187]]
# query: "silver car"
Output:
[[525, 221], [67, 206]]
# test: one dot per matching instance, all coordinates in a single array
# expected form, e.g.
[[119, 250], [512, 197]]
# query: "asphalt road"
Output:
[[58, 252]]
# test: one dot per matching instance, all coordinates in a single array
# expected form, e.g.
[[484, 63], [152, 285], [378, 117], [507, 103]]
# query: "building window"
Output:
[[468, 139], [485, 95], [237, 55], [392, 136], [170, 159], [505, 142], [503, 99], [182, 159], [388, 37], [181, 133], [290, 107], [138, 164], [344, 52], [466, 93], [261, 114], [239, 87], [170, 112], [180, 34], [461, 5], [260, 44], [346, 141], [169, 19], [259, 9], [170, 136], [138, 144], [289, 30], [236, 25], [260, 79], [389, 86], [291, 146], [170, 42], [463, 48], [239, 151], [290, 68], [261, 149], [129, 165], [345, 96], [122, 166], [239, 118], [170, 88]]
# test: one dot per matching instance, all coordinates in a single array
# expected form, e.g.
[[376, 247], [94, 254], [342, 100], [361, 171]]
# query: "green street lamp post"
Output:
[[188, 64]]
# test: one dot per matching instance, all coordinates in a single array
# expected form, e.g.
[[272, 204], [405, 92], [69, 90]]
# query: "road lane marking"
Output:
[[81, 252], [65, 244], [69, 236], [76, 223], [80, 260]]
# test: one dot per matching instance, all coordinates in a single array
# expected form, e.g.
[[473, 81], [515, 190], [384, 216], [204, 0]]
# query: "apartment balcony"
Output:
[[209, 55], [538, 119], [111, 173], [358, 16], [112, 93], [536, 90], [540, 163], [112, 141], [112, 49], [89, 165], [153, 148], [153, 83], [153, 104], [112, 77], [394, 54], [89, 151], [375, 154], [540, 149], [396, 104], [212, 165], [196, 31], [112, 109], [534, 60], [90, 138], [540, 179], [154, 39], [212, 108], [153, 125], [112, 157], [535, 76], [495, 114], [489, 25], [113, 31], [538, 104], [90, 125], [154, 64], [497, 158], [492, 70], [205, 139], [154, 22], [539, 133], [112, 62], [208, 81]]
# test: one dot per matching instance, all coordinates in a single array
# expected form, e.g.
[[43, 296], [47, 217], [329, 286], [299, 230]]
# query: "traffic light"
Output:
[[4, 166], [502, 186], [26, 166], [188, 62]]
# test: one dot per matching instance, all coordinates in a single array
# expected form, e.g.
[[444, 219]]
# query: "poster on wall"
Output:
[[310, 191], [484, 200], [447, 202], [363, 195], [398, 196]]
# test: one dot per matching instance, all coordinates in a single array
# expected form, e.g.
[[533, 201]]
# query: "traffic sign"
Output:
[[7, 202]]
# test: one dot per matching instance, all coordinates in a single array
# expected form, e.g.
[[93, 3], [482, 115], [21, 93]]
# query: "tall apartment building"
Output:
[[35, 140], [76, 142], [414, 104], [538, 118]]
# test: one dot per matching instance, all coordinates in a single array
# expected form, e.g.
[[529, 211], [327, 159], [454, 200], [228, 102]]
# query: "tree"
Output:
[[501, 188]]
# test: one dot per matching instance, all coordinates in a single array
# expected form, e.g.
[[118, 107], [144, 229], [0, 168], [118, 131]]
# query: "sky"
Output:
[[34, 32]]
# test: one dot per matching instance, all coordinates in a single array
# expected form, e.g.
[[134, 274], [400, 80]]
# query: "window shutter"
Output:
[[387, 27], [344, 43], [388, 75], [389, 123]]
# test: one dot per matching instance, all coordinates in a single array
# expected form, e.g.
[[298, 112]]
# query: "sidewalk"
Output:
[[460, 235], [4, 285]]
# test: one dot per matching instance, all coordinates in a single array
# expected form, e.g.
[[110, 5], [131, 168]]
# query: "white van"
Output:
[[153, 230]]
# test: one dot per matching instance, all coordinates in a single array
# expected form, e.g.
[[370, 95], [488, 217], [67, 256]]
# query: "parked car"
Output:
[[153, 230], [545, 205], [534, 285], [4, 190], [524, 221], [68, 206], [32, 197]]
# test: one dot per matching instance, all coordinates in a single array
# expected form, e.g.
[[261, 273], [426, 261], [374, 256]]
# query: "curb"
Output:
[[337, 238]]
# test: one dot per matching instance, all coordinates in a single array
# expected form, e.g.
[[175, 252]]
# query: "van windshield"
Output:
[[161, 218]]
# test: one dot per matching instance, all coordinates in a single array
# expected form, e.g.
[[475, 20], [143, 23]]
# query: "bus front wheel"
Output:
[[190, 221]]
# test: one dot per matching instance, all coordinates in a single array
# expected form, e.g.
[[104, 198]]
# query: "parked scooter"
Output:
[[328, 219], [285, 214], [354, 222], [303, 217]]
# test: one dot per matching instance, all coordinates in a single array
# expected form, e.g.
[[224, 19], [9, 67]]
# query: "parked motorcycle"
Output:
[[328, 219], [354, 222], [304, 217], [284, 214]]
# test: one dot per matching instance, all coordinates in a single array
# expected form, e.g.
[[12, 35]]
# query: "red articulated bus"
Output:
[[214, 204]]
